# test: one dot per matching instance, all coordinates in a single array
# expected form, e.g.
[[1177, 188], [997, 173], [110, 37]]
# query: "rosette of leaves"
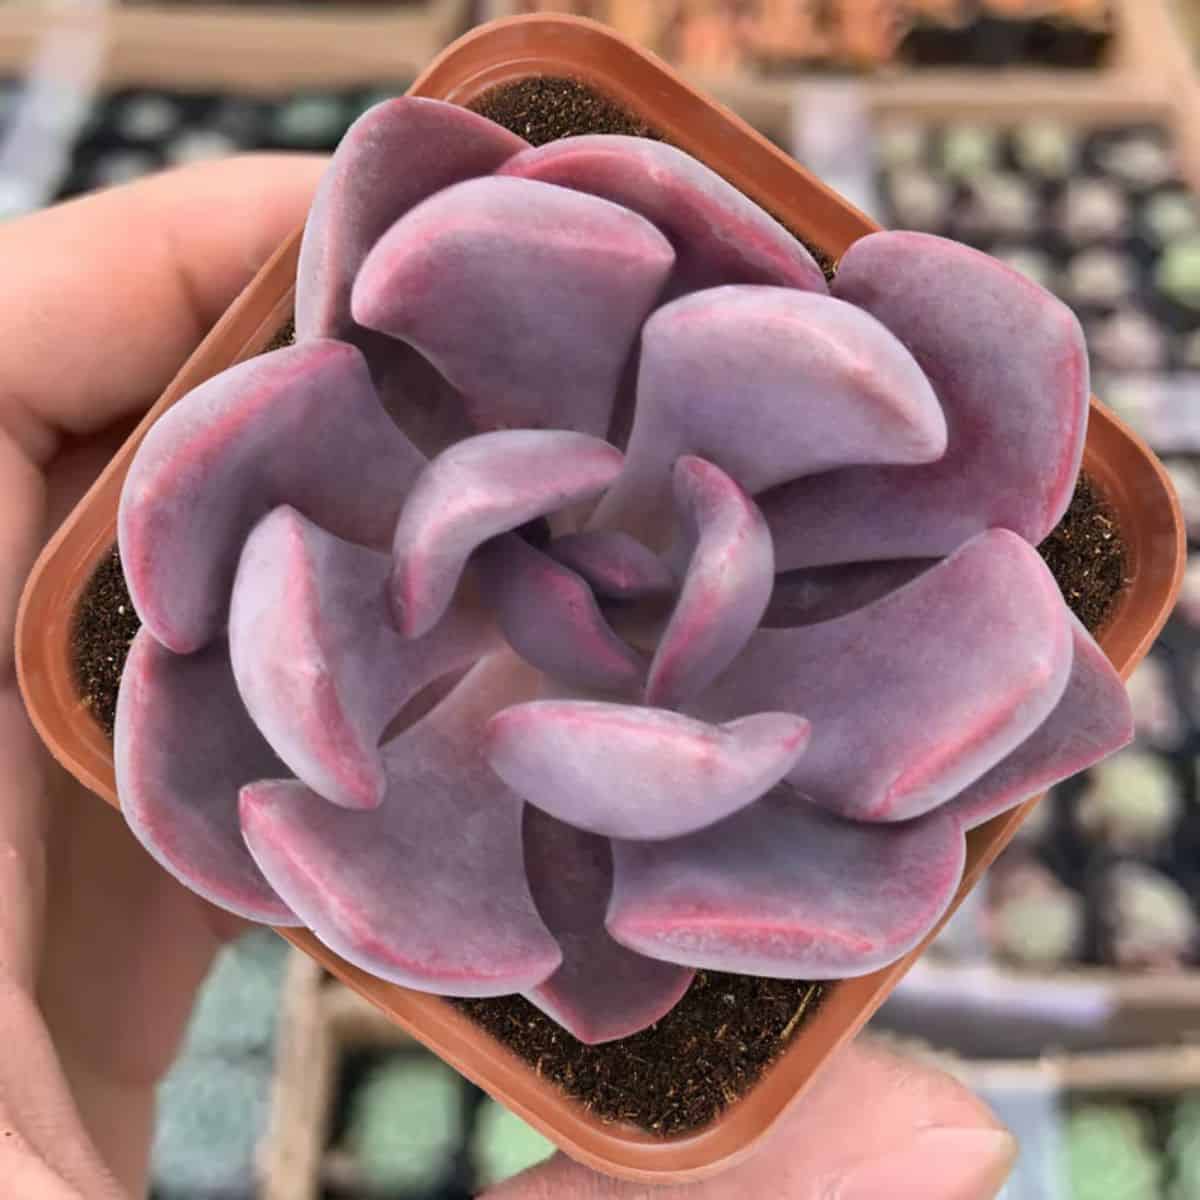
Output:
[[593, 594]]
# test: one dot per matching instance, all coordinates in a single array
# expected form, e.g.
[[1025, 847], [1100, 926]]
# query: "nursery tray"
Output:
[[302, 1095], [1143, 36], [242, 46], [1035, 1097], [1119, 464]]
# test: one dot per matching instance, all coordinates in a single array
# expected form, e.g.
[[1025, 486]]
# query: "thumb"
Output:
[[874, 1125]]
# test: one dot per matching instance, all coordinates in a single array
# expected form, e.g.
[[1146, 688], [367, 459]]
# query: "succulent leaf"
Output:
[[212, 466], [477, 489], [719, 235], [183, 746], [907, 706], [725, 588], [602, 991], [429, 889], [1092, 720], [785, 890], [1008, 363], [551, 618], [528, 298], [769, 384], [813, 594], [615, 565], [394, 156], [317, 662], [630, 772]]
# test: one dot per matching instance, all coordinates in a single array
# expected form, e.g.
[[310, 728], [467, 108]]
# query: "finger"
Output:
[[38, 1117], [24, 824], [28, 1176], [874, 1125], [105, 296], [104, 299]]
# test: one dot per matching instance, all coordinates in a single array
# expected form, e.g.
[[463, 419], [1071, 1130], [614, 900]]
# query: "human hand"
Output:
[[100, 951]]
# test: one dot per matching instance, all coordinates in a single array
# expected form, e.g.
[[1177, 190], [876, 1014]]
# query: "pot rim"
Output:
[[1123, 467]]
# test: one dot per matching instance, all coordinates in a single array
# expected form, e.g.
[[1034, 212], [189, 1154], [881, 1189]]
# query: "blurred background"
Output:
[[1060, 135]]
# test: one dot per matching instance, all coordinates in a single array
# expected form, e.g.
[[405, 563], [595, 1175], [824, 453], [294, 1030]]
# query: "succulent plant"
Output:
[[1046, 148], [503, 1145], [969, 150], [1183, 1148], [1157, 718], [212, 1114], [1189, 594], [1033, 919], [1110, 1154], [1132, 802], [1039, 823], [1148, 918], [405, 1125], [237, 1008], [592, 594]]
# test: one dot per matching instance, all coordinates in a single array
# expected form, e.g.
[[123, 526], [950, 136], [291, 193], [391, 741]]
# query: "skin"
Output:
[[100, 951]]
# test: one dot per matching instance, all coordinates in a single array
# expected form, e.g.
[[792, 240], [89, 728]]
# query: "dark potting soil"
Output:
[[677, 1075], [104, 626], [1087, 557], [714, 1045], [285, 337], [545, 108]]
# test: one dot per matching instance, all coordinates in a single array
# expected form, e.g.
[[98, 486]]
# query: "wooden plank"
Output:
[[251, 49], [780, 28], [305, 1078]]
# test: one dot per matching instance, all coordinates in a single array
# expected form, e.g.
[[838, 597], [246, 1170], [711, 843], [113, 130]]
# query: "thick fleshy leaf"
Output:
[[602, 991], [428, 890], [719, 235], [815, 594], [787, 891], [917, 695], [725, 589], [1009, 365], [183, 746], [615, 565], [300, 426], [477, 489], [550, 617], [318, 664], [527, 297], [413, 393], [394, 156], [1092, 720], [629, 772], [769, 384]]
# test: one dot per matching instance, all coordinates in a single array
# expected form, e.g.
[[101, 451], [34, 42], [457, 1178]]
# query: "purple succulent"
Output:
[[592, 594]]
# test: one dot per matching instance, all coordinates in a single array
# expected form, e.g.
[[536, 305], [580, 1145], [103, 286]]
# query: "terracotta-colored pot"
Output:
[[1124, 469]]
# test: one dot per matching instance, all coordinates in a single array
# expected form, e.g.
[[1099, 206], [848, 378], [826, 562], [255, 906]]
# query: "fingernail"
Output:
[[939, 1164]]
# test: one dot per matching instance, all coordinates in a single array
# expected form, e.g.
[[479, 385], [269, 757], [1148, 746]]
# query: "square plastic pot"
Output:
[[1122, 467]]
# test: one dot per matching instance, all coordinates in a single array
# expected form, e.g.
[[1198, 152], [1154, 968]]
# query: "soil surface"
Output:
[[677, 1075], [1087, 557], [682, 1072], [544, 108], [104, 626]]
